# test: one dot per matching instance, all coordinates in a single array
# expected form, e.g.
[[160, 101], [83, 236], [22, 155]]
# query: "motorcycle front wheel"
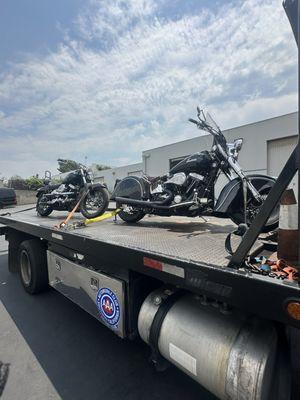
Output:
[[238, 216], [42, 208], [95, 202]]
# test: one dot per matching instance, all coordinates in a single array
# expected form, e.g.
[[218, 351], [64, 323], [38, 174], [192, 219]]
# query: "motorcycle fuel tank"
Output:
[[73, 178], [132, 187], [198, 162]]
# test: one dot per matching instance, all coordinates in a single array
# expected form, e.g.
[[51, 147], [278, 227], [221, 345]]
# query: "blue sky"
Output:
[[108, 79]]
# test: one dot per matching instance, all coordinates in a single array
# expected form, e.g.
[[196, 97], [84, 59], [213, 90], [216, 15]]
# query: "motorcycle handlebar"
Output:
[[217, 134], [205, 127]]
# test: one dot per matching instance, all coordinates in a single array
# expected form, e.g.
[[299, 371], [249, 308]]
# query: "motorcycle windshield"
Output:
[[291, 9], [219, 137], [211, 122]]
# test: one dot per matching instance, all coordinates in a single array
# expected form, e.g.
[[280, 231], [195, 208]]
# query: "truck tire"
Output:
[[33, 266], [282, 381]]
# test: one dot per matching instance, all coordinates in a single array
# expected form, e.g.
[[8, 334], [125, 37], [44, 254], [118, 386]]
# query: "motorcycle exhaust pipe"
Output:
[[230, 355], [142, 203], [151, 204]]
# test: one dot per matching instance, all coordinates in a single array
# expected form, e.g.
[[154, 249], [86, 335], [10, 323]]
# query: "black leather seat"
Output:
[[153, 179]]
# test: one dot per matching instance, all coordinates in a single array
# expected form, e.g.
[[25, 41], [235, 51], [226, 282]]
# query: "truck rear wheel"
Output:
[[33, 266]]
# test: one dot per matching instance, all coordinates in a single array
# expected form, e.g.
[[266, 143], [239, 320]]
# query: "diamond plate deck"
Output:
[[187, 239]]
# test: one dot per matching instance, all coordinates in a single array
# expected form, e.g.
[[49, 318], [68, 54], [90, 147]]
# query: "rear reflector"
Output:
[[160, 266], [293, 309]]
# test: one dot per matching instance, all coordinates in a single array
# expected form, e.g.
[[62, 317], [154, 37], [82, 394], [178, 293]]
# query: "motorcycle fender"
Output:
[[232, 189], [98, 185], [227, 195], [41, 191]]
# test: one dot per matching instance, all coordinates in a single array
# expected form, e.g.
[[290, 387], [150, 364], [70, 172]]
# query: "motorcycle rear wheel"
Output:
[[95, 203], [131, 215]]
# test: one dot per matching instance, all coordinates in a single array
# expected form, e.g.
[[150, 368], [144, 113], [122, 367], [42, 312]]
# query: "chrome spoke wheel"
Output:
[[93, 202]]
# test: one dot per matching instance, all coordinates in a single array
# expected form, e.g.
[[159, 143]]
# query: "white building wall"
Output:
[[252, 158], [109, 176]]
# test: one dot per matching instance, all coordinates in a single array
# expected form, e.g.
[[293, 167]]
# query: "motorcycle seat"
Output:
[[153, 179]]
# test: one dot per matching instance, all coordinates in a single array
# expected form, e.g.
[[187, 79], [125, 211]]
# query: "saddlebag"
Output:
[[132, 187]]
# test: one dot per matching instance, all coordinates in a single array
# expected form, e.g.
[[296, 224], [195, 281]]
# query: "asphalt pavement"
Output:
[[52, 349]]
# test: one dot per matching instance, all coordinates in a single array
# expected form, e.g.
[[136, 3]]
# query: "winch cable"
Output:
[[8, 214], [64, 224]]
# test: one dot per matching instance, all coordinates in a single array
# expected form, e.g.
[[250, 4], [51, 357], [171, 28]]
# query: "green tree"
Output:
[[101, 167], [17, 182], [34, 183], [65, 165], [31, 183]]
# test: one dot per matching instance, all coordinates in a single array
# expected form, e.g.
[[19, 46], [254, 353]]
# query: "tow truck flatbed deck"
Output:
[[183, 251], [186, 239]]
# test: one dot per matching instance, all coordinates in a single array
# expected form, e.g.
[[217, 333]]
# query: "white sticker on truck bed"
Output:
[[57, 236], [173, 269], [182, 358]]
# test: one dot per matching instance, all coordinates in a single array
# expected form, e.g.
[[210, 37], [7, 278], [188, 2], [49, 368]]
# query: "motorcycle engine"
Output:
[[172, 184], [184, 187], [60, 189], [198, 183], [63, 194], [178, 179]]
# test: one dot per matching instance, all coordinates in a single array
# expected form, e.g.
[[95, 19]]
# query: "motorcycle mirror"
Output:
[[238, 143], [48, 175]]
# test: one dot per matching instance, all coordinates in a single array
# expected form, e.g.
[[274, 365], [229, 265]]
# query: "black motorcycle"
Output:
[[189, 188], [77, 186]]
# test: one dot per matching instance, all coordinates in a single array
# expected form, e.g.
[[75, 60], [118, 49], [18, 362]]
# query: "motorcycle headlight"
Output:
[[90, 175], [238, 143], [234, 148]]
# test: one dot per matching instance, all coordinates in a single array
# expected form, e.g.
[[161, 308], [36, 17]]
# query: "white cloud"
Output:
[[128, 80], [106, 21]]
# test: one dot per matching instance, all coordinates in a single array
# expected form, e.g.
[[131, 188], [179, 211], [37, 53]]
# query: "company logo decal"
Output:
[[108, 306]]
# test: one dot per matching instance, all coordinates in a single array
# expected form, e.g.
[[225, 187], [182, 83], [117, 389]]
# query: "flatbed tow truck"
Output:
[[167, 280], [171, 282]]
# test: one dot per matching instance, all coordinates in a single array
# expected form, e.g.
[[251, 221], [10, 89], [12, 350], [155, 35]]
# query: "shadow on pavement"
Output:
[[82, 358]]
